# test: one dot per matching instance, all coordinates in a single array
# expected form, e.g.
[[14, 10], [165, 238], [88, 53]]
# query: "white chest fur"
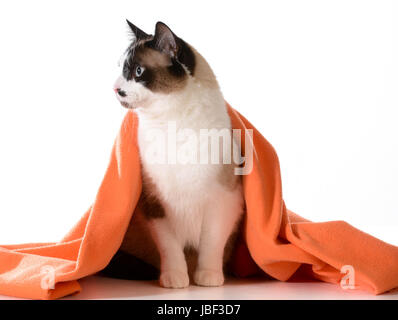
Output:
[[186, 190]]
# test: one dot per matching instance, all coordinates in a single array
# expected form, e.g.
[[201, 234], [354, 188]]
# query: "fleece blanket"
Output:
[[275, 240]]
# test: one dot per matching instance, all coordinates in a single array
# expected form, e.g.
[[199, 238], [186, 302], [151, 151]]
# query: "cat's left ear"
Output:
[[165, 40]]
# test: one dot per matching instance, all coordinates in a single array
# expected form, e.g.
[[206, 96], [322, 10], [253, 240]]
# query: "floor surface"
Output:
[[96, 287], [105, 288]]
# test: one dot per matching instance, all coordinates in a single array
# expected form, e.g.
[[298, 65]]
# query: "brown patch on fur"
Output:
[[162, 74], [152, 58], [163, 81], [151, 207], [191, 258], [148, 203], [227, 176]]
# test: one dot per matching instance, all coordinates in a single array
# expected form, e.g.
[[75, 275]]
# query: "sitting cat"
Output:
[[188, 210]]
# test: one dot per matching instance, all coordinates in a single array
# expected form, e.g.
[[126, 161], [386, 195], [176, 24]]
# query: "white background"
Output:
[[318, 78]]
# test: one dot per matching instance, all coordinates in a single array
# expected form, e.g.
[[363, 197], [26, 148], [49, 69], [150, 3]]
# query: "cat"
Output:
[[189, 213]]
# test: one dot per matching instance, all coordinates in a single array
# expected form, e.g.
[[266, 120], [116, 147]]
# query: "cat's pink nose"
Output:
[[120, 92]]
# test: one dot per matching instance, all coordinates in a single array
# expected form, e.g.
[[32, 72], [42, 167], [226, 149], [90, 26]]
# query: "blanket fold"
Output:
[[275, 240]]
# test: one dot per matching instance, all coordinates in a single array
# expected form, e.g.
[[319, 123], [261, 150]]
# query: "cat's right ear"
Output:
[[136, 33], [165, 40]]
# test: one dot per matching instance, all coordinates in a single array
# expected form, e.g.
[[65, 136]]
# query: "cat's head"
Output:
[[153, 65]]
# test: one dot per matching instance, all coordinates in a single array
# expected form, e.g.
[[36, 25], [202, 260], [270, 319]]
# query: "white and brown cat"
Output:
[[189, 211]]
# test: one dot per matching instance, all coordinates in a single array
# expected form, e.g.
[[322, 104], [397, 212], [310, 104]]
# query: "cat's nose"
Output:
[[120, 92]]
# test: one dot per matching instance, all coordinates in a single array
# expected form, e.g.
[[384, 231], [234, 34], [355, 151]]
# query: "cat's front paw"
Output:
[[209, 278], [174, 279]]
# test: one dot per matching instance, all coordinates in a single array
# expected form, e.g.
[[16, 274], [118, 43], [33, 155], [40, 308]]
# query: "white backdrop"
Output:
[[318, 78]]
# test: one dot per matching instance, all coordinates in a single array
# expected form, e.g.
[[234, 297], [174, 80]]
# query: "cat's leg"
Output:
[[173, 266], [218, 224]]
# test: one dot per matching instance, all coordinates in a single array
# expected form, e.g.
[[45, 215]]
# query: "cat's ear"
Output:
[[136, 33], [165, 40]]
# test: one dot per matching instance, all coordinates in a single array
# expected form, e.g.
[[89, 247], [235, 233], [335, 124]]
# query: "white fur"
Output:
[[200, 210]]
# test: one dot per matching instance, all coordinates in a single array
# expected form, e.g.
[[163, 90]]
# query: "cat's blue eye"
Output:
[[139, 71]]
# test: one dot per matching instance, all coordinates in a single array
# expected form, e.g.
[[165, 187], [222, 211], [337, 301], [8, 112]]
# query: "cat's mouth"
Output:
[[127, 105]]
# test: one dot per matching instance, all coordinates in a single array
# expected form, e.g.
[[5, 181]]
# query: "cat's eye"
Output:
[[139, 71]]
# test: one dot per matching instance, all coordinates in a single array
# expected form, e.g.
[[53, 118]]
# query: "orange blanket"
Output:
[[280, 243]]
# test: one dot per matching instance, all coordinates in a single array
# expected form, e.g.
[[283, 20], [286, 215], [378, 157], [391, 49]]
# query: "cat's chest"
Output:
[[172, 161]]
